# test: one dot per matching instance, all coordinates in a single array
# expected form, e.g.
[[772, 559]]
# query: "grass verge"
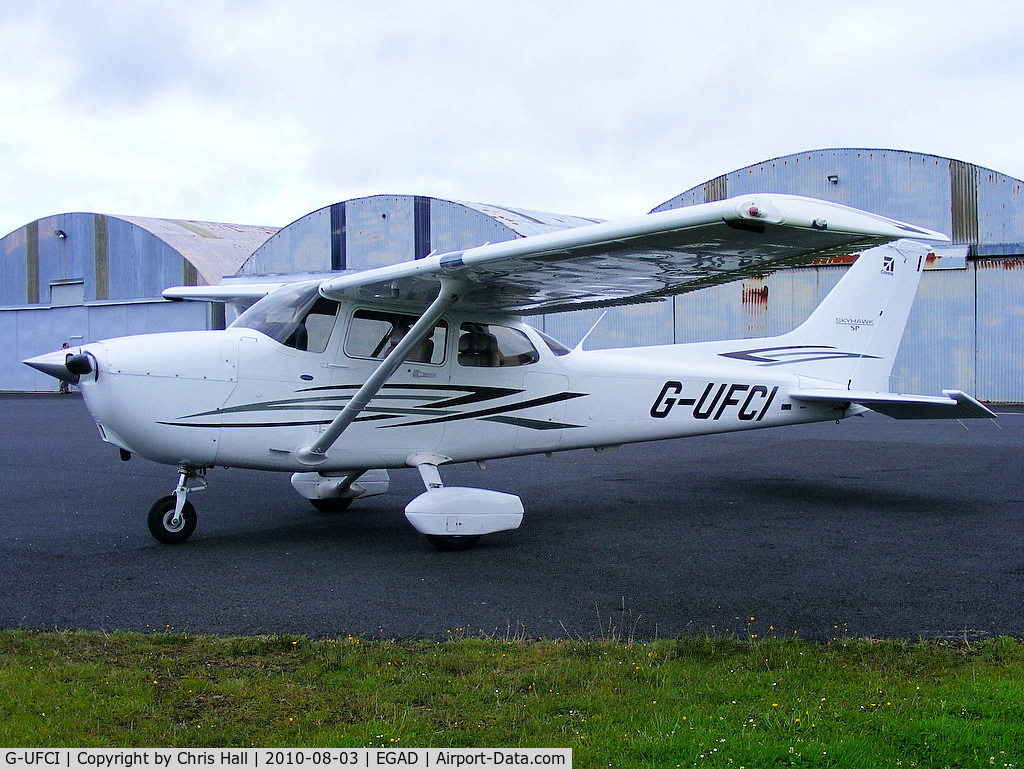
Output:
[[689, 702]]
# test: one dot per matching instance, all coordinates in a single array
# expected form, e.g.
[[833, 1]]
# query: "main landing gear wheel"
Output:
[[450, 543], [332, 504], [162, 525]]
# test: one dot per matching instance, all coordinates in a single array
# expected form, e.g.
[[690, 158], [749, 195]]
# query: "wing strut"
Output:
[[316, 453]]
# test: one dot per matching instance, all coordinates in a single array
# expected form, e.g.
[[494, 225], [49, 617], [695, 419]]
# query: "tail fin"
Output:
[[853, 335]]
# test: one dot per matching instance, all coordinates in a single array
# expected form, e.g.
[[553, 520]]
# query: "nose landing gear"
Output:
[[172, 519]]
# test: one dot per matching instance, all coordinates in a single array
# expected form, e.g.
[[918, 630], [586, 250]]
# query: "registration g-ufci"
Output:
[[32, 757]]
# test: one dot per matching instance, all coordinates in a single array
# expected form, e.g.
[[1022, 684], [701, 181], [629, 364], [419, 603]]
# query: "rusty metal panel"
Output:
[[754, 307], [101, 259], [711, 314], [742, 309], [716, 189], [794, 294], [1000, 343], [963, 186], [32, 263]]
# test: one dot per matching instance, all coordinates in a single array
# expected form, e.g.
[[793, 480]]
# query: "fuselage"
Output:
[[479, 388]]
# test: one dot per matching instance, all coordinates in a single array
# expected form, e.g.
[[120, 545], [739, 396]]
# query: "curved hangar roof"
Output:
[[380, 230], [119, 257], [971, 204]]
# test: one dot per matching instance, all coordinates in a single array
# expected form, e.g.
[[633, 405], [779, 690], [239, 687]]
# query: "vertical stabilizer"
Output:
[[859, 325]]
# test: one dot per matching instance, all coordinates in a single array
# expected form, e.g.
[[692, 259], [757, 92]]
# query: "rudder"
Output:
[[859, 325]]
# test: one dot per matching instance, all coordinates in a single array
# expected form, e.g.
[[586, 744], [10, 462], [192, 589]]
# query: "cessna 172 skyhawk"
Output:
[[428, 362]]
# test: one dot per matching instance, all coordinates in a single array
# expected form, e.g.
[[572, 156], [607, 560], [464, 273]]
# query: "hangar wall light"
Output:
[[833, 178]]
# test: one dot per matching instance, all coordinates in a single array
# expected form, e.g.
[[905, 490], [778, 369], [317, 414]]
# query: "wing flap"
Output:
[[953, 404], [637, 260]]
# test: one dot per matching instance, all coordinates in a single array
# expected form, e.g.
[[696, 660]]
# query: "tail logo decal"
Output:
[[854, 323], [889, 266], [784, 356]]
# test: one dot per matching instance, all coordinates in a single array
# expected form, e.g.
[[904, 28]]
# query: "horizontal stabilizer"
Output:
[[954, 405]]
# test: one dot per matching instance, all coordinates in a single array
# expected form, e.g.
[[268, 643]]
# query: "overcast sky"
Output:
[[260, 111]]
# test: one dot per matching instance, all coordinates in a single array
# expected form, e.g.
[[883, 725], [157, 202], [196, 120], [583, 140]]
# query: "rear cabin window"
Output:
[[373, 334], [486, 345], [296, 317]]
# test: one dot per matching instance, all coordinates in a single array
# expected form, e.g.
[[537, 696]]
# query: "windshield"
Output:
[[296, 316], [556, 347]]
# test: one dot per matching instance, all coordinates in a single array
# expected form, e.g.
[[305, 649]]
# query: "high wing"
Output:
[[242, 293], [241, 296], [635, 260]]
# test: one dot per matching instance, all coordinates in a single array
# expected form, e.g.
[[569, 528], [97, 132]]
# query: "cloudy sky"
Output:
[[260, 111]]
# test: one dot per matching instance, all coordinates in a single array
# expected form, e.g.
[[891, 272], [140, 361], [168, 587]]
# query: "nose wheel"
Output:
[[172, 519], [169, 526]]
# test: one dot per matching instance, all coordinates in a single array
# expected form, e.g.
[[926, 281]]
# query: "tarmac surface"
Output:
[[871, 527]]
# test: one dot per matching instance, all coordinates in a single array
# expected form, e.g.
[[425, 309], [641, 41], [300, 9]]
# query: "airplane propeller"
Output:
[[63, 365]]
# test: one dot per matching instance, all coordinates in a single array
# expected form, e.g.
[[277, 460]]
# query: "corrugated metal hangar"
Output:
[[78, 277], [385, 229], [964, 330]]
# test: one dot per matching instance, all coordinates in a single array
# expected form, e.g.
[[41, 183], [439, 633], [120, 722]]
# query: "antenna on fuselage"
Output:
[[579, 345]]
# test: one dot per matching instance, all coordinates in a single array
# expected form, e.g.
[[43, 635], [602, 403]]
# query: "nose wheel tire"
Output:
[[162, 526]]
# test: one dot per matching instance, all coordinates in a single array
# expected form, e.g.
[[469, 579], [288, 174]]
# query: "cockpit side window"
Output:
[[319, 323], [374, 333], [296, 317], [485, 345]]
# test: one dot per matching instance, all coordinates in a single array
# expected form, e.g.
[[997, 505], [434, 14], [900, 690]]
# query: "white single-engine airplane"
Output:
[[428, 362]]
